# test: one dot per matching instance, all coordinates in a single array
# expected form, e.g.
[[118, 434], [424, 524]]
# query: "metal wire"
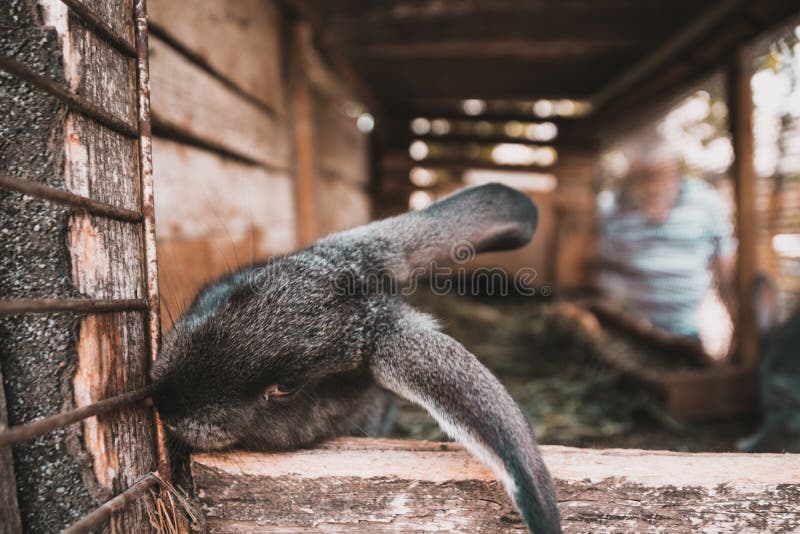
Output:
[[14, 306], [74, 101], [92, 520], [52, 194], [26, 432]]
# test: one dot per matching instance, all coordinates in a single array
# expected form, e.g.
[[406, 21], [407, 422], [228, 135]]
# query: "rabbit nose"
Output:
[[168, 404]]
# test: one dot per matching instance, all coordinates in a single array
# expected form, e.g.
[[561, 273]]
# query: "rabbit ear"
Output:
[[431, 369], [478, 219]]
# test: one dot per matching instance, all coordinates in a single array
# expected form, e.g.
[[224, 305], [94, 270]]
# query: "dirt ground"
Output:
[[551, 366]]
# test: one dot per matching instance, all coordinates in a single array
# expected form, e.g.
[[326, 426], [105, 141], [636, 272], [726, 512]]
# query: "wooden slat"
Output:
[[702, 23], [10, 522], [189, 102], [740, 104], [212, 215], [117, 15], [397, 161], [238, 40], [545, 22], [105, 257], [328, 45], [99, 72], [101, 164], [340, 205], [489, 78], [519, 48], [302, 119], [391, 486], [341, 150], [121, 36]]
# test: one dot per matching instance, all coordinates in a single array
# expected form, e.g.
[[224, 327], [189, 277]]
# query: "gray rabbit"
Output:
[[311, 345]]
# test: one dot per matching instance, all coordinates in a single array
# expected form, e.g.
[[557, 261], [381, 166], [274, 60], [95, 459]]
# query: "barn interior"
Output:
[[276, 122]]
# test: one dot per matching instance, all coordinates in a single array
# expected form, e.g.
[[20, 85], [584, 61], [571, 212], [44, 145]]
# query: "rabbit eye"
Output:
[[280, 390]]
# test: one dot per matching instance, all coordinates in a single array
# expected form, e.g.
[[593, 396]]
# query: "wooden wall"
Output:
[[225, 77]]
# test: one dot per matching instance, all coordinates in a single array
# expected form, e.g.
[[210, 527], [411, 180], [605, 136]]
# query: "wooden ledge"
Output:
[[369, 485]]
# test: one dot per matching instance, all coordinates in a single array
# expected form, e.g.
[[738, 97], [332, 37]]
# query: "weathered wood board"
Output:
[[341, 149], [340, 205], [246, 43], [105, 259], [364, 485], [118, 15], [214, 214], [190, 102], [93, 68], [101, 164]]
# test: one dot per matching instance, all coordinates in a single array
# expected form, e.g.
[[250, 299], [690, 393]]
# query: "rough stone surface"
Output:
[[36, 351]]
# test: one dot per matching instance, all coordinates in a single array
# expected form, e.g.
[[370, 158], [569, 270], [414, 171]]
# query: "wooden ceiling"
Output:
[[414, 54]]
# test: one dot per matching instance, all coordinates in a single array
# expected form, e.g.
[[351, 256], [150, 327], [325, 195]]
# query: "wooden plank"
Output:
[[91, 62], [246, 44], [701, 24], [189, 102], [101, 164], [10, 521], [112, 358], [302, 122], [212, 215], [722, 392], [340, 205], [199, 192], [519, 48], [106, 262], [545, 22], [118, 15], [463, 77], [328, 45], [353, 485], [342, 150], [740, 105]]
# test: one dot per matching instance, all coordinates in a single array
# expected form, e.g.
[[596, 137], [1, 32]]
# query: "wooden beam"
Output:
[[304, 169], [378, 10], [527, 49], [740, 105], [355, 485], [490, 77], [699, 26], [547, 22], [330, 50], [395, 163], [571, 133]]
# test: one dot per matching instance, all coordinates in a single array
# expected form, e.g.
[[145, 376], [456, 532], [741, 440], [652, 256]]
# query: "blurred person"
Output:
[[667, 238]]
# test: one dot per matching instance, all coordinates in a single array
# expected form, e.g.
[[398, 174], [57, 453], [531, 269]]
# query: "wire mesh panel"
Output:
[[78, 179], [776, 92]]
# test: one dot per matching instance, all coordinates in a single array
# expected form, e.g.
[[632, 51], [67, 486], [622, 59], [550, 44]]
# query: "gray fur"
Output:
[[288, 321]]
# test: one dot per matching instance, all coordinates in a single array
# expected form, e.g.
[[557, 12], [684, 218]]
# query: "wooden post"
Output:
[[303, 136], [10, 521], [740, 104]]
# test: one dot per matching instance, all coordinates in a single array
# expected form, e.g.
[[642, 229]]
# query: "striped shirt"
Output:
[[667, 266]]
